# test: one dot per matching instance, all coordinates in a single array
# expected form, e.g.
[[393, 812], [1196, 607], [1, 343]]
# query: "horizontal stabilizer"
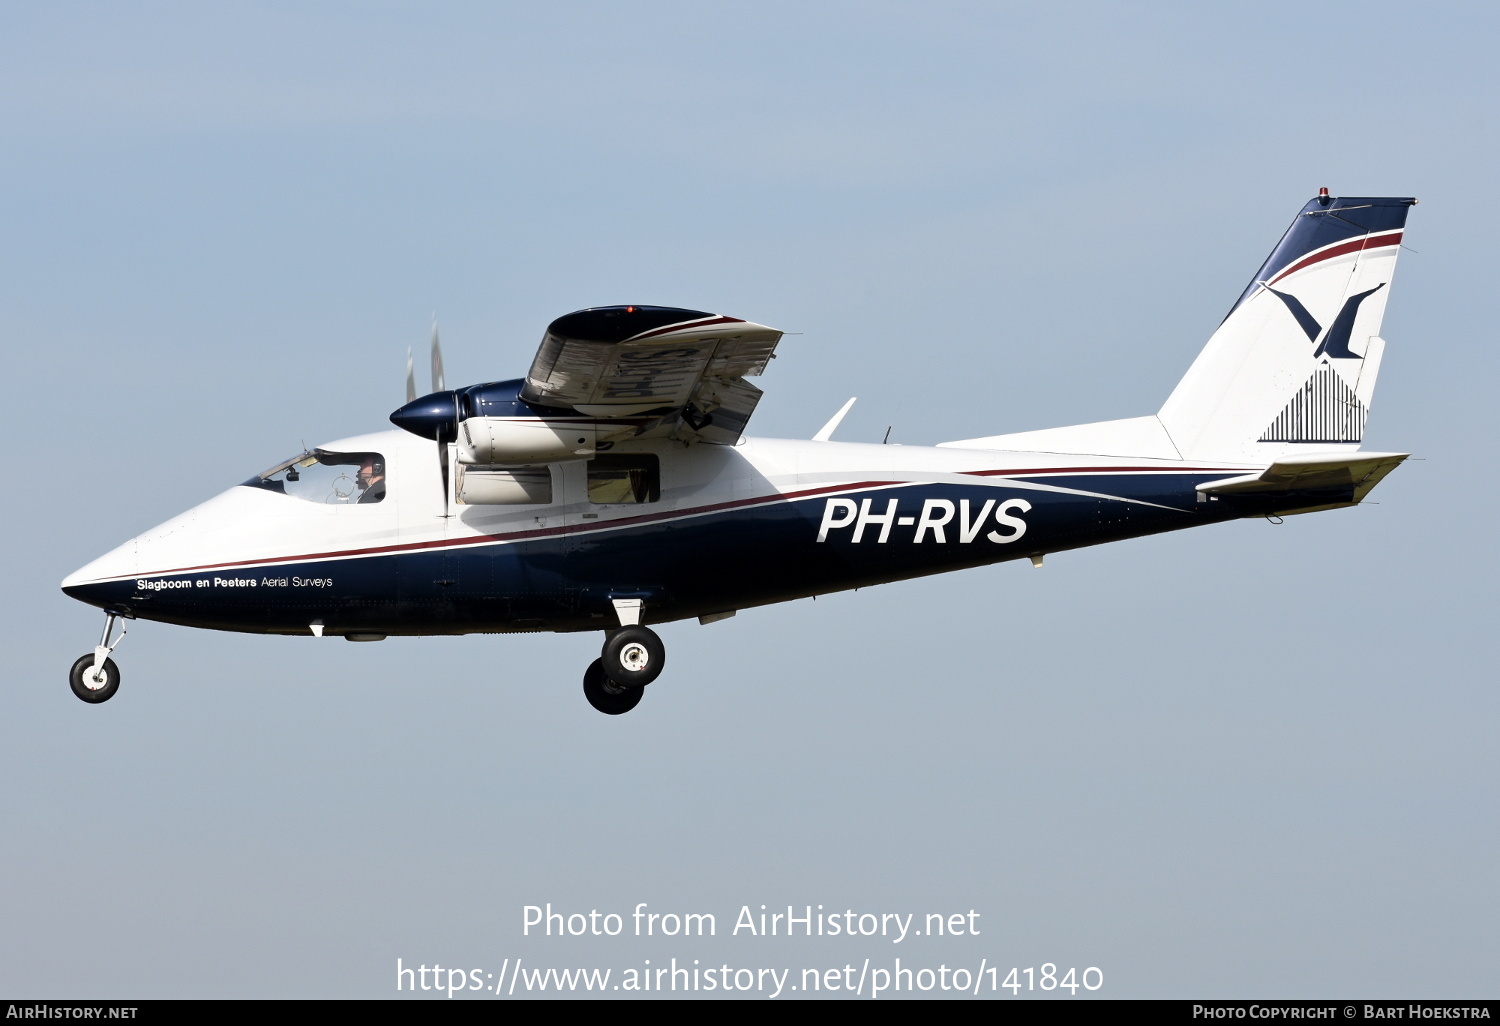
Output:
[[1351, 474]]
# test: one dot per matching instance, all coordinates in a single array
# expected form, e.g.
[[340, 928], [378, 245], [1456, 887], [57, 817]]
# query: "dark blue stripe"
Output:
[[733, 559], [1325, 221]]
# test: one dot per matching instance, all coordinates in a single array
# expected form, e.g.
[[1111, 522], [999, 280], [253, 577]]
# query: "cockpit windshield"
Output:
[[330, 478]]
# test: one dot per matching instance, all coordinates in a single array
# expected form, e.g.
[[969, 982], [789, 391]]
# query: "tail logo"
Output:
[[1333, 344], [1325, 409]]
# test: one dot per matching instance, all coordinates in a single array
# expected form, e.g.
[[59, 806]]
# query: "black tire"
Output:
[[634, 656], [80, 686], [608, 697]]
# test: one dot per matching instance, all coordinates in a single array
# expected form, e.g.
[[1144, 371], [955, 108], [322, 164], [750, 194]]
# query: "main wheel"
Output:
[[634, 656], [90, 688], [607, 696]]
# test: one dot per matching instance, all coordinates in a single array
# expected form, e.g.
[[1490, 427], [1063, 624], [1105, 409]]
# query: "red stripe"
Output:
[[1099, 470], [545, 532], [1352, 246], [519, 535], [684, 326]]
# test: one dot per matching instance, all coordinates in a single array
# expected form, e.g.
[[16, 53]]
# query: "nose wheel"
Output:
[[94, 677], [94, 684]]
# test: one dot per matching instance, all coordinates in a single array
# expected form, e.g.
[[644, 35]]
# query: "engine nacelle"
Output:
[[512, 441]]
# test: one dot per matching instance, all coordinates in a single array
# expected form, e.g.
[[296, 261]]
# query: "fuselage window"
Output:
[[329, 478], [504, 486], [624, 477]]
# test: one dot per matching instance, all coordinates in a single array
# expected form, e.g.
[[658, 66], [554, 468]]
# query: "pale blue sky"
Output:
[[1243, 761]]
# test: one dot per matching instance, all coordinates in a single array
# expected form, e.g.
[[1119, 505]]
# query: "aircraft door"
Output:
[[448, 569], [552, 557], [435, 578]]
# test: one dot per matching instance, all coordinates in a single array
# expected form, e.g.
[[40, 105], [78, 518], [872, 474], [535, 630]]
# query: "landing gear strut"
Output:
[[633, 657], [94, 677]]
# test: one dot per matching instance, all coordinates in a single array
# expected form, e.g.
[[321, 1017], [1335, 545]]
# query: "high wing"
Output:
[[687, 367]]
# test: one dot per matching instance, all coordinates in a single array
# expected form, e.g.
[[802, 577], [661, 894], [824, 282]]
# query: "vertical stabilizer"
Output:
[[1292, 368]]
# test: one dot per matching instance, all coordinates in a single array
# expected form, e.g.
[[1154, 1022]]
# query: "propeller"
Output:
[[437, 359], [443, 437], [437, 415]]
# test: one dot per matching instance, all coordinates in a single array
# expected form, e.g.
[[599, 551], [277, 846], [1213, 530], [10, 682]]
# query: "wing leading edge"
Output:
[[686, 366]]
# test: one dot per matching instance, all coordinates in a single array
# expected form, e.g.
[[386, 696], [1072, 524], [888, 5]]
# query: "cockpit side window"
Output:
[[328, 478]]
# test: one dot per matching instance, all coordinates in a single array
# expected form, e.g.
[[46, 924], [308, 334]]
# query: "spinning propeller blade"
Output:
[[437, 415], [438, 386], [452, 434], [437, 360]]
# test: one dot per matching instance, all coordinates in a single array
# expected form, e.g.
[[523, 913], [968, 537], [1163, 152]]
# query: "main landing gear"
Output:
[[633, 657], [94, 677]]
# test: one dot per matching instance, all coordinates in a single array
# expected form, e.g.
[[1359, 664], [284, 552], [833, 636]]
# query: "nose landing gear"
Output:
[[633, 657], [94, 677]]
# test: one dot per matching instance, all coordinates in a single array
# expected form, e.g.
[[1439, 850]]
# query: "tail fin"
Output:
[[1292, 368]]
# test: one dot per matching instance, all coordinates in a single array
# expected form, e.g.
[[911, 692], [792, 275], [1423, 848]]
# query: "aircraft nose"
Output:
[[99, 582]]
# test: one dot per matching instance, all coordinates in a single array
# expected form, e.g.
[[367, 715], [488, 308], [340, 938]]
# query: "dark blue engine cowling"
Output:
[[436, 416]]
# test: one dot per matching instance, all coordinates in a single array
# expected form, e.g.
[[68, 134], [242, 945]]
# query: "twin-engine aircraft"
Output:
[[613, 487]]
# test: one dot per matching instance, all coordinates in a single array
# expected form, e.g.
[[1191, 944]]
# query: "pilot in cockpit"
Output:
[[371, 479]]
